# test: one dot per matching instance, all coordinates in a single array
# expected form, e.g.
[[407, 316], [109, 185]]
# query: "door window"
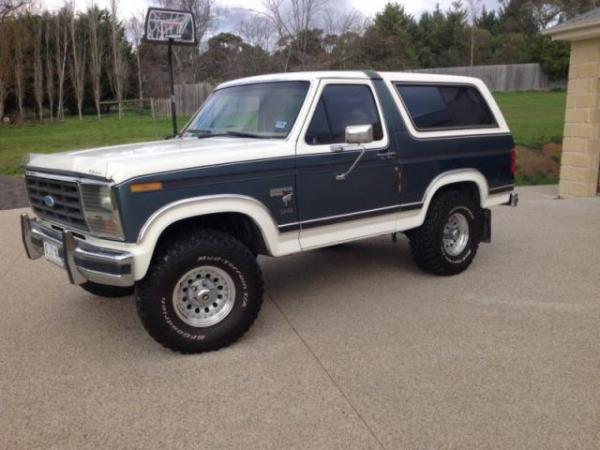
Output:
[[342, 105]]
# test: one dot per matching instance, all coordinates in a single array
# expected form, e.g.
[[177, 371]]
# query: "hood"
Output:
[[122, 162]]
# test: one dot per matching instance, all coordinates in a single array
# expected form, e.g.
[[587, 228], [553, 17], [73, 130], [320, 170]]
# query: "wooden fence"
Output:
[[500, 78], [505, 78], [188, 98]]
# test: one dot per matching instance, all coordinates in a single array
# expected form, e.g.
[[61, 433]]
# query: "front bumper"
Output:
[[82, 261]]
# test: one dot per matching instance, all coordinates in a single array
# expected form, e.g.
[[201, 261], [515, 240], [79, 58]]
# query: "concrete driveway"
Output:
[[354, 349]]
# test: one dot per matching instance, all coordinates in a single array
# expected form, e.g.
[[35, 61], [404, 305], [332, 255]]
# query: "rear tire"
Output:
[[448, 240], [103, 290], [202, 292]]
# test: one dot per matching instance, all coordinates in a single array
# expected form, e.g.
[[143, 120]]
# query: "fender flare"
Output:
[[188, 208], [446, 179], [455, 177]]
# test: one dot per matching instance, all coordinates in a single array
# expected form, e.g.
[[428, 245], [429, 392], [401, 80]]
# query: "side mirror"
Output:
[[359, 134]]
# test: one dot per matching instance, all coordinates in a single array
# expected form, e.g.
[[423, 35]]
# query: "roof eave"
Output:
[[576, 32]]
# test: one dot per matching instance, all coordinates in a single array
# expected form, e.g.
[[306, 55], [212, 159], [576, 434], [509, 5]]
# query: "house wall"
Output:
[[581, 144]]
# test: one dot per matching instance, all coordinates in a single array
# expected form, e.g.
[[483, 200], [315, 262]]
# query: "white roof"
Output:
[[355, 74]]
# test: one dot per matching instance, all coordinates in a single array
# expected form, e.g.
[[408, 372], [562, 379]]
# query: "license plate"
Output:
[[51, 253]]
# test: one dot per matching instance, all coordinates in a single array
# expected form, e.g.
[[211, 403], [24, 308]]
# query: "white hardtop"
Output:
[[353, 75]]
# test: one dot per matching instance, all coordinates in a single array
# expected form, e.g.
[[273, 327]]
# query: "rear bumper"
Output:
[[82, 261]]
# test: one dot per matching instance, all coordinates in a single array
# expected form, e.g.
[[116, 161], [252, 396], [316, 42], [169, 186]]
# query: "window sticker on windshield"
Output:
[[281, 125]]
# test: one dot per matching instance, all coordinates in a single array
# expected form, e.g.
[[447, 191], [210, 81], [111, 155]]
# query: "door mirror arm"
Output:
[[343, 176], [356, 136]]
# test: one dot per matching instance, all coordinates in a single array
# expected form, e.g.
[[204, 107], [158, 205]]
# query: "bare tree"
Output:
[[338, 22], [38, 72], [257, 31], [78, 58], [291, 19], [474, 11], [11, 7], [119, 65], [135, 26], [95, 60], [61, 40], [50, 73]]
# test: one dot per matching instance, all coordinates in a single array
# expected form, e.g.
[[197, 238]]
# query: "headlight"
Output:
[[100, 210]]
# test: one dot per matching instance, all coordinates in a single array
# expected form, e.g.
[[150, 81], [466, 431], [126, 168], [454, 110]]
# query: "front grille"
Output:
[[66, 207]]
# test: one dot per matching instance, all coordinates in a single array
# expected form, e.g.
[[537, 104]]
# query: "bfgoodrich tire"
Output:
[[202, 292], [103, 290], [448, 240]]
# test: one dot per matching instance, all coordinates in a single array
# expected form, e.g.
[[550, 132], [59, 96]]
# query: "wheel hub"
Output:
[[456, 234], [204, 296]]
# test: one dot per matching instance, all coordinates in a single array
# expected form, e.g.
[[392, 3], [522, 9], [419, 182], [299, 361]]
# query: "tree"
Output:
[[50, 72], [388, 42], [12, 7], [61, 41], [19, 64], [291, 19], [119, 64], [135, 26], [78, 59], [96, 51], [474, 8], [5, 66], [38, 70]]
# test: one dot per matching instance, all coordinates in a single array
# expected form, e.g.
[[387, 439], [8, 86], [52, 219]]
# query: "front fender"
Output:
[[277, 243]]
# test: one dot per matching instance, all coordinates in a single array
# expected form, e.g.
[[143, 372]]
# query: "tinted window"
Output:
[[439, 107], [339, 106]]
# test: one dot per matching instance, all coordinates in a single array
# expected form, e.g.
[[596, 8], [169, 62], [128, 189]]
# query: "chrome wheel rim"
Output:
[[204, 296], [456, 234]]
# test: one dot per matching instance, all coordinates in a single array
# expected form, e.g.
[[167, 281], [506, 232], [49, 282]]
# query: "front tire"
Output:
[[202, 292], [448, 240]]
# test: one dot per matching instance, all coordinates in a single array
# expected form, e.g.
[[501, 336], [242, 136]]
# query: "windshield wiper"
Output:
[[245, 134], [200, 134]]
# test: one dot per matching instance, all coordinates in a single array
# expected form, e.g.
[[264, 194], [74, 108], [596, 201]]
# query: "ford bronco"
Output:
[[272, 165]]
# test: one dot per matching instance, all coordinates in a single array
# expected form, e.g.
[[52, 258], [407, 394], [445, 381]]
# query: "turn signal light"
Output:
[[146, 187]]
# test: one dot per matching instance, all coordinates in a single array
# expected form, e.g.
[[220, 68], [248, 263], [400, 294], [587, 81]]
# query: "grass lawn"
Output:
[[35, 137], [534, 118]]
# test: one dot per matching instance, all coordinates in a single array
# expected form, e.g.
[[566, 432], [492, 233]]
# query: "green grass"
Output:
[[534, 118], [47, 137]]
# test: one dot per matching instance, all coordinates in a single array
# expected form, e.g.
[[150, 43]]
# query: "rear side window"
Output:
[[445, 107], [341, 105]]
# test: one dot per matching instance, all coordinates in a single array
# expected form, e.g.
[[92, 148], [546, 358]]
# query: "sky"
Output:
[[127, 8]]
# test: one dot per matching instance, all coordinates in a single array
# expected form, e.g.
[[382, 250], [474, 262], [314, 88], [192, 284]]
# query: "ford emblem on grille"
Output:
[[48, 201]]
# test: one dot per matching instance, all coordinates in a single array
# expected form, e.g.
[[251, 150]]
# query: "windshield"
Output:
[[262, 110]]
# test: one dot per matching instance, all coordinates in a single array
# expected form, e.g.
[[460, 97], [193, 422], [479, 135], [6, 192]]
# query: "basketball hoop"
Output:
[[171, 27]]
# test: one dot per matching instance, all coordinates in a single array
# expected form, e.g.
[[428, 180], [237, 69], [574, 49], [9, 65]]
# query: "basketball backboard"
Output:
[[164, 25]]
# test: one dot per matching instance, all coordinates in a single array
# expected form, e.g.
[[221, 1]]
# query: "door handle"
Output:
[[386, 154]]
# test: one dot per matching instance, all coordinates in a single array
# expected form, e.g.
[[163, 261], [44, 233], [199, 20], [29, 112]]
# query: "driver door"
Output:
[[332, 209]]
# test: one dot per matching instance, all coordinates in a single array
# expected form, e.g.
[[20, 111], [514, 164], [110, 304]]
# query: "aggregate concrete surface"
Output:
[[354, 349]]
